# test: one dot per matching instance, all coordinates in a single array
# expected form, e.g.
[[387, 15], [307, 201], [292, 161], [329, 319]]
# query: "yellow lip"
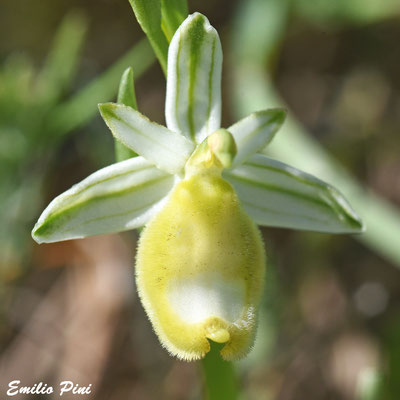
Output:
[[200, 270]]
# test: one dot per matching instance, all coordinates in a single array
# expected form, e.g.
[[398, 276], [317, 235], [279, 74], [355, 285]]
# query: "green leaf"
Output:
[[259, 27], [148, 14], [119, 197], [60, 66], [126, 96], [173, 13], [193, 101], [166, 149], [126, 92], [254, 132], [275, 194]]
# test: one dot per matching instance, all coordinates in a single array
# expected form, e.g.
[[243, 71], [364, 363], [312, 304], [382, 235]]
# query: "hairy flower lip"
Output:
[[200, 269]]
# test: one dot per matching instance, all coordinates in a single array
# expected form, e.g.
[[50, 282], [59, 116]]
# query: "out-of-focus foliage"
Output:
[[27, 99], [347, 11]]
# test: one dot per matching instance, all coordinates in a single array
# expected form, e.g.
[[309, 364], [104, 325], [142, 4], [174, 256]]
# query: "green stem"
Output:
[[220, 379]]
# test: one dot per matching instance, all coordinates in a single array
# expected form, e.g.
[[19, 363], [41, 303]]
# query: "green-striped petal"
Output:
[[166, 149], [116, 198], [193, 102], [254, 132], [275, 194]]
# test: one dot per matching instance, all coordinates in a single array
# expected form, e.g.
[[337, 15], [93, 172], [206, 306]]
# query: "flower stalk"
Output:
[[219, 375]]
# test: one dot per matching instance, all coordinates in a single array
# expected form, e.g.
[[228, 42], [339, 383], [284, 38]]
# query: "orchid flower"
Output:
[[199, 190]]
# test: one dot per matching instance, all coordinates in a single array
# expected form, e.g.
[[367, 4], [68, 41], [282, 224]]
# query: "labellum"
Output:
[[200, 262]]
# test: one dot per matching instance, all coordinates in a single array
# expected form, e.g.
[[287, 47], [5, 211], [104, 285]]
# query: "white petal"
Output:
[[119, 197], [254, 132], [166, 149], [193, 102], [275, 194]]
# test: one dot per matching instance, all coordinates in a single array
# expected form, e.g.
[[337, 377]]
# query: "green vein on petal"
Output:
[[119, 197], [193, 101], [275, 194], [166, 149]]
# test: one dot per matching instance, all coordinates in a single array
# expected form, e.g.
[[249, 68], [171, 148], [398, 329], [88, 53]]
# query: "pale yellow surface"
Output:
[[201, 233]]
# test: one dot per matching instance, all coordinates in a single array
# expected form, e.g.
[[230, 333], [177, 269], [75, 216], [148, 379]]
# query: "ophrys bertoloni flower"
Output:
[[198, 189]]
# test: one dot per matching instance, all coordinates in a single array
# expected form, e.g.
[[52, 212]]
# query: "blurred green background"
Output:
[[330, 319]]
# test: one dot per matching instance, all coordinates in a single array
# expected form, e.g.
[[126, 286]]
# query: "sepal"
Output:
[[116, 198], [166, 149], [193, 101], [276, 194]]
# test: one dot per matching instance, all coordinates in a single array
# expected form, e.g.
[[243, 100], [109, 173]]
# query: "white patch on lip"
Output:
[[197, 298]]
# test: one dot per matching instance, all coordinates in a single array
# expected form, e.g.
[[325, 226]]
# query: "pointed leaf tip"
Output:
[[126, 91], [126, 96]]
